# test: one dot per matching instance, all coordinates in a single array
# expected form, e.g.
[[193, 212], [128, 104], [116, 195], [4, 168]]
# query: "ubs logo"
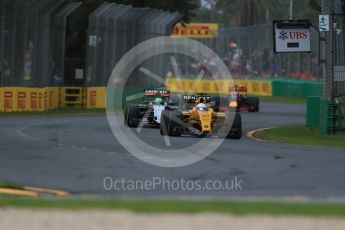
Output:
[[283, 35]]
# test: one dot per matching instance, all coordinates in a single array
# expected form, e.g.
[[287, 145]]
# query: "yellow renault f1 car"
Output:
[[201, 120]]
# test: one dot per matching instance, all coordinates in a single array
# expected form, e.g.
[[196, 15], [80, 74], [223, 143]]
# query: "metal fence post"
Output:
[[327, 53], [2, 44]]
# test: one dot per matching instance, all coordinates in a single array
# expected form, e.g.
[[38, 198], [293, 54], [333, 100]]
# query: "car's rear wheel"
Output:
[[169, 126], [254, 102], [132, 116], [216, 101]]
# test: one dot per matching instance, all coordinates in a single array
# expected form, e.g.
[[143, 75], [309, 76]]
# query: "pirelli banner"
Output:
[[20, 99], [96, 97], [195, 30], [259, 88]]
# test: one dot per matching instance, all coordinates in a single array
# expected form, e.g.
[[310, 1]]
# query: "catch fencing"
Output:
[[33, 35], [333, 50], [32, 41], [114, 29], [248, 53], [339, 55]]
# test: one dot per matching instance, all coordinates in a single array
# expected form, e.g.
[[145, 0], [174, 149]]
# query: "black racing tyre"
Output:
[[253, 101], [175, 99], [161, 131], [132, 116], [257, 105], [216, 100], [165, 116], [174, 125], [169, 127], [236, 129], [202, 135]]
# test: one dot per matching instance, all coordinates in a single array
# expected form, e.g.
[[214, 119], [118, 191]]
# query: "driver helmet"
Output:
[[201, 105], [158, 100]]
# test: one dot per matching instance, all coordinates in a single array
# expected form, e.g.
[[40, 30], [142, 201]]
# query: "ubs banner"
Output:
[[292, 36]]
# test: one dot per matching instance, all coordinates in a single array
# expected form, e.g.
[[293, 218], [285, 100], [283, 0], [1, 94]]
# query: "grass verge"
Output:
[[62, 111], [300, 134], [8, 184], [181, 206], [283, 100]]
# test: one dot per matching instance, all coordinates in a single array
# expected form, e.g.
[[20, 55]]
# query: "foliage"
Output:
[[251, 12], [183, 6]]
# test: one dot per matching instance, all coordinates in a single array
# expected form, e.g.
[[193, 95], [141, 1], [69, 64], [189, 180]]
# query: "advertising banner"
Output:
[[195, 30]]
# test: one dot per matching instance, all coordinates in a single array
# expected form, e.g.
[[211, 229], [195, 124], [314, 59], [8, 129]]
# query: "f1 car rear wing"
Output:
[[156, 92], [193, 98], [241, 89]]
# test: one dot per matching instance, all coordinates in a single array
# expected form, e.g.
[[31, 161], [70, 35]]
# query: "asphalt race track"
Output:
[[75, 153]]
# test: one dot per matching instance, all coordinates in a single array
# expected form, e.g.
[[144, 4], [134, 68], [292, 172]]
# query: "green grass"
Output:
[[300, 134], [8, 184], [62, 111], [181, 206], [283, 100]]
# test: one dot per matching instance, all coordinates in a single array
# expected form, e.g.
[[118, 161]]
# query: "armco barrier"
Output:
[[72, 97], [204, 86], [324, 116], [328, 117], [296, 88], [14, 99], [336, 117], [19, 99], [95, 97], [269, 87], [259, 88], [313, 112]]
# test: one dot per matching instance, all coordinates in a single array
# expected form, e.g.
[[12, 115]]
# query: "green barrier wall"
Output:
[[313, 112], [324, 116], [296, 88], [328, 117], [129, 91]]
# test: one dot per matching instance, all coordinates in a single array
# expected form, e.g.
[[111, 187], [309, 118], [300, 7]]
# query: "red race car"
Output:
[[242, 101]]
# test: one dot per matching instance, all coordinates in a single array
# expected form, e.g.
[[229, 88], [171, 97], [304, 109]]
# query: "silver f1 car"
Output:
[[149, 112]]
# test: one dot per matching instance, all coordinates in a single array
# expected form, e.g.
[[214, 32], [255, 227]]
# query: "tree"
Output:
[[251, 12], [185, 7], [315, 5], [243, 12]]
